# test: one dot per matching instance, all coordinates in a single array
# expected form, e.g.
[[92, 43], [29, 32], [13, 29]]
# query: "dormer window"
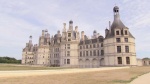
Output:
[[126, 32], [117, 32]]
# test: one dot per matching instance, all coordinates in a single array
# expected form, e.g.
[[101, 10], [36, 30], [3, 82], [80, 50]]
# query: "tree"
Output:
[[9, 60]]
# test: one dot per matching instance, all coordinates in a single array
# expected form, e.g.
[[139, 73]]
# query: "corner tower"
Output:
[[119, 43]]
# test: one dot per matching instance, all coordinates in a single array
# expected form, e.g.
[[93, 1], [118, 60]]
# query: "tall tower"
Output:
[[71, 25], [119, 43]]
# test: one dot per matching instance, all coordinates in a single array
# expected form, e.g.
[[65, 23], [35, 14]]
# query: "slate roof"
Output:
[[91, 41], [117, 24]]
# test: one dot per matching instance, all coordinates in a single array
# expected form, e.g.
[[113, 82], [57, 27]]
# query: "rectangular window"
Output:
[[81, 54], [101, 44], [118, 40], [90, 53], [68, 61], [118, 49], [126, 39], [127, 49], [87, 53], [127, 60], [94, 52], [68, 53], [126, 33], [102, 52], [117, 32], [69, 34], [98, 52], [119, 60]]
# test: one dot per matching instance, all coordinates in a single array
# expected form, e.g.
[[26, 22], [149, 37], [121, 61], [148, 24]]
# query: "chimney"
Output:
[[109, 26], [76, 28], [106, 31], [82, 35]]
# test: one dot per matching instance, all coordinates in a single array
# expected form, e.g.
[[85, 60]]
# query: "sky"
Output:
[[21, 18]]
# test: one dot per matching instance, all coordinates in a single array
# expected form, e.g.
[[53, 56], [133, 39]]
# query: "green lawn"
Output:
[[10, 67]]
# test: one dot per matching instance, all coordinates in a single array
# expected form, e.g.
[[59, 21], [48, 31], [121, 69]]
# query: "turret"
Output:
[[30, 40], [71, 25], [64, 29]]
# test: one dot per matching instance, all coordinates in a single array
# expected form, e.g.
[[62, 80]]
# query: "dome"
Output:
[[115, 9], [58, 32], [94, 31], [30, 37], [70, 22]]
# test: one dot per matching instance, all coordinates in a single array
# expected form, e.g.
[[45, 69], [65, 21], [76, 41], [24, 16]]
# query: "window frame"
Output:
[[118, 49]]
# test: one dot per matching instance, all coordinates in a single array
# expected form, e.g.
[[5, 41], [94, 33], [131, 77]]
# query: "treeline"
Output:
[[146, 58], [9, 60]]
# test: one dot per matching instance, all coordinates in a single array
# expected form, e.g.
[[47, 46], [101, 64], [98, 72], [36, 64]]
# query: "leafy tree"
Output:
[[9, 60], [146, 58]]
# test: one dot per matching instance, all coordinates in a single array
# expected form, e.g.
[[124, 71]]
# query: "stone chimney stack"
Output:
[[82, 35], [43, 32], [64, 29], [106, 31], [76, 28], [109, 26]]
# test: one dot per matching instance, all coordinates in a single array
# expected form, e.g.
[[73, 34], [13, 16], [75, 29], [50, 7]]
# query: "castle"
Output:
[[70, 49]]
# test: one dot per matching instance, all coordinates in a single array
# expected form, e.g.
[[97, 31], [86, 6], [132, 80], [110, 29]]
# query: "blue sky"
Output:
[[21, 18]]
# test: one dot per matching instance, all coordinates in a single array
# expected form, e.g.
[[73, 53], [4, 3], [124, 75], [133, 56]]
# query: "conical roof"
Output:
[[117, 24]]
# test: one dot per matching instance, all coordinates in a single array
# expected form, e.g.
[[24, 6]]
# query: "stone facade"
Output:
[[70, 49]]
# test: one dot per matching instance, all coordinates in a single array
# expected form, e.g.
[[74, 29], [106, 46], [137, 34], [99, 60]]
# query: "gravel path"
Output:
[[144, 79], [51, 72]]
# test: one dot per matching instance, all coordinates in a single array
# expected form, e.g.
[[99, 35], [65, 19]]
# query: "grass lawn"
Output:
[[122, 76], [10, 67]]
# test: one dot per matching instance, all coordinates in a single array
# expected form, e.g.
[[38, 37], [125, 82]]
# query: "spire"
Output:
[[30, 39], [117, 23]]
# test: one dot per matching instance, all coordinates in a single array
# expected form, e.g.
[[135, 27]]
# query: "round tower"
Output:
[[119, 44]]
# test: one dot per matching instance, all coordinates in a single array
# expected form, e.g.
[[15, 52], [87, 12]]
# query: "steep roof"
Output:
[[117, 24]]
